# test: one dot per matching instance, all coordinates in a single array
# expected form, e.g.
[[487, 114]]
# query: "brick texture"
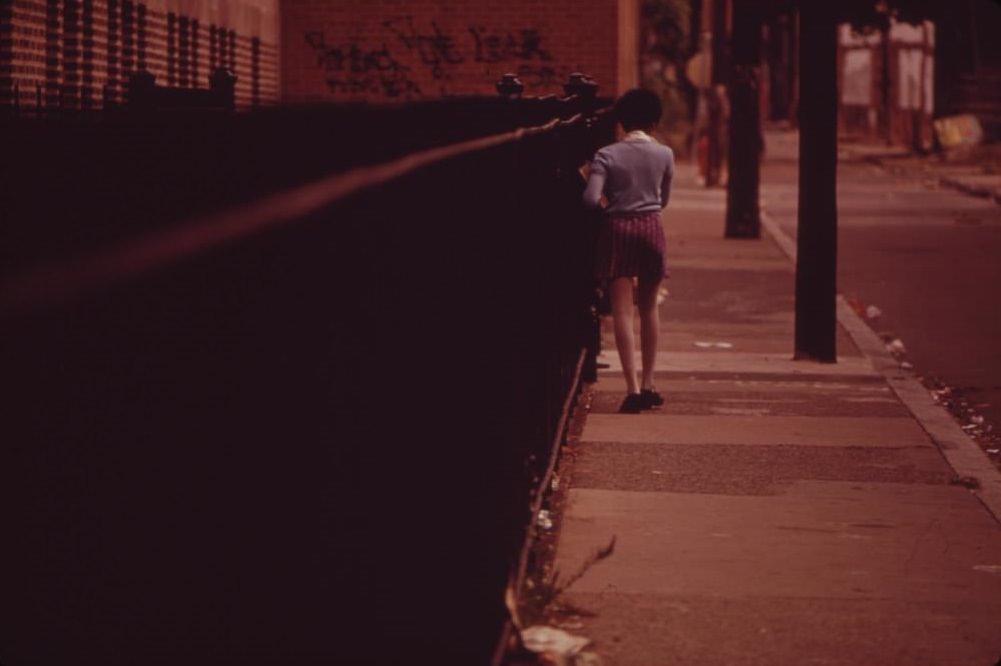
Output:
[[401, 50], [78, 54]]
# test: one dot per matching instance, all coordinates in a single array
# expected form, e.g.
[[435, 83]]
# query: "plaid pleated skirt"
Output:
[[631, 245]]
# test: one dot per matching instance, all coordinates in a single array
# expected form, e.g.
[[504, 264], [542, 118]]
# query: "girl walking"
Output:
[[631, 180]]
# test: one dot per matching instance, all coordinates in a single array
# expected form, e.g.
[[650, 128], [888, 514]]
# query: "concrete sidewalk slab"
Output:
[[830, 540], [757, 338], [655, 428], [735, 469], [726, 259], [644, 630], [801, 389], [721, 360], [736, 398]]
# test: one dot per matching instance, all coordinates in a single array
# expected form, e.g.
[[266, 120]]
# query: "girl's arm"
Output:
[[665, 183], [595, 183]]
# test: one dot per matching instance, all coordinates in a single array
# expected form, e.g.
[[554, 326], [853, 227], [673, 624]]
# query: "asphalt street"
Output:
[[929, 258]]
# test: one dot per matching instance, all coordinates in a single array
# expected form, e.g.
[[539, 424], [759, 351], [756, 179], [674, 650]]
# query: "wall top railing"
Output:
[[61, 281]]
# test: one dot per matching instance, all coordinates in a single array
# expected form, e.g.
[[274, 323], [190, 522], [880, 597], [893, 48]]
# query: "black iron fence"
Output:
[[306, 424]]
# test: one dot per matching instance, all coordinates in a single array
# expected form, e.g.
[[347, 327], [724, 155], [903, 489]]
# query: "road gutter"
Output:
[[960, 451]]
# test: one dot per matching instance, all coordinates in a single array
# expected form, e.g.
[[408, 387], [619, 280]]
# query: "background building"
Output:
[[389, 51], [79, 54]]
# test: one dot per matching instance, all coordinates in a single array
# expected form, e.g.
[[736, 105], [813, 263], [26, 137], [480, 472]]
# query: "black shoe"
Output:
[[633, 404], [651, 398]]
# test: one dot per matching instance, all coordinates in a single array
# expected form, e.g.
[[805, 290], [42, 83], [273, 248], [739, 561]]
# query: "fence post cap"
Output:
[[580, 84], [510, 85], [142, 78], [222, 76], [142, 89]]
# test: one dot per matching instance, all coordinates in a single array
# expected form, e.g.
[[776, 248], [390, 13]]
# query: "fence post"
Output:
[[87, 43], [8, 95], [142, 90], [171, 49], [583, 89], [255, 72], [223, 87], [510, 86], [193, 28], [52, 28], [110, 91], [69, 92]]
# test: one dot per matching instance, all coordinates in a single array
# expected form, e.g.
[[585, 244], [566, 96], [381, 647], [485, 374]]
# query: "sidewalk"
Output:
[[974, 171], [774, 512]]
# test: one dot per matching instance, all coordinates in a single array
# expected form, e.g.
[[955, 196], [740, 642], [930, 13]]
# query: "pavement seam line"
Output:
[[960, 451]]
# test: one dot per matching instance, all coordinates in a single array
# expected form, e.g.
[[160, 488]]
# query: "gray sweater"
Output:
[[635, 176]]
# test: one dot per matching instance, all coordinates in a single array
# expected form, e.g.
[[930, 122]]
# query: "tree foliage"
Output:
[[666, 26], [867, 15]]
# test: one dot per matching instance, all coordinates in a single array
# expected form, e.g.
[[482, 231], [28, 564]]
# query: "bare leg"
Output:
[[646, 299], [621, 294]]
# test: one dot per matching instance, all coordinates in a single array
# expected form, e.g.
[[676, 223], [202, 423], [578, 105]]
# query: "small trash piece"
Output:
[[725, 345], [906, 365], [554, 484], [994, 451], [511, 602], [552, 641], [896, 346], [872, 312], [703, 345], [960, 130], [543, 521], [968, 482], [979, 420]]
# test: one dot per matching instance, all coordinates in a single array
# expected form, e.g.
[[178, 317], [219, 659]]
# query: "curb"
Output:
[[957, 184], [993, 194], [963, 455]]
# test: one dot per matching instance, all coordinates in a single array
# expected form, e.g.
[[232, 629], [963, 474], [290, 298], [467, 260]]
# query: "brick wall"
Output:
[[79, 54], [399, 50]]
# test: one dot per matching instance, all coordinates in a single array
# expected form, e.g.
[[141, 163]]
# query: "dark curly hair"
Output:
[[638, 108]]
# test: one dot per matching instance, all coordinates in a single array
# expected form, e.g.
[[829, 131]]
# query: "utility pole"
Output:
[[720, 66], [743, 219], [817, 235]]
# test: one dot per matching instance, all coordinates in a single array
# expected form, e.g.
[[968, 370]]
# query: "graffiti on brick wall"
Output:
[[354, 69], [534, 64], [505, 47], [412, 51], [435, 48]]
